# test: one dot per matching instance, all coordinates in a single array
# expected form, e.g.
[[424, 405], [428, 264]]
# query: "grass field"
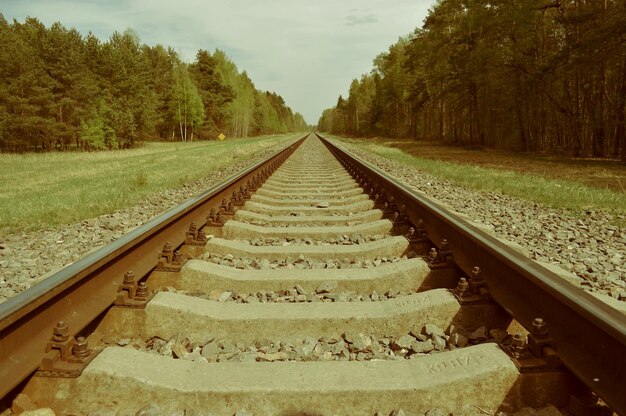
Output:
[[44, 189], [542, 184]]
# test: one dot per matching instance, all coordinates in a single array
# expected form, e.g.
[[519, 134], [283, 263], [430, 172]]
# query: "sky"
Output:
[[306, 51]]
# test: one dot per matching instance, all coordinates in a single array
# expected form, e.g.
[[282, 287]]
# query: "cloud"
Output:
[[361, 20], [308, 52]]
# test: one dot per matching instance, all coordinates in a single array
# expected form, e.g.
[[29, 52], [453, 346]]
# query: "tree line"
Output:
[[60, 89], [532, 75]]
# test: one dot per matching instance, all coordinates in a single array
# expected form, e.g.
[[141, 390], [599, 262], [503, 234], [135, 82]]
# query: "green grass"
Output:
[[45, 189], [553, 193]]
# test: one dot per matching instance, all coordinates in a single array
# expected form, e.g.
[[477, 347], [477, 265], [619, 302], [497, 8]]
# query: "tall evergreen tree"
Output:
[[60, 89], [529, 75]]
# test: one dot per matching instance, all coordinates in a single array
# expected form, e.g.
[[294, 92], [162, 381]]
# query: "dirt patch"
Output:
[[597, 173]]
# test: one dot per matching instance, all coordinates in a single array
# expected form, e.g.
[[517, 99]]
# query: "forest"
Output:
[[61, 90], [529, 75]]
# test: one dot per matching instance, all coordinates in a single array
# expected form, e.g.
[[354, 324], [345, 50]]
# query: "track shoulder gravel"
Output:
[[589, 246], [28, 257]]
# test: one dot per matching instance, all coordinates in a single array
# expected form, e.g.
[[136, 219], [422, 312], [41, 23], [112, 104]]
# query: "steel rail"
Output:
[[79, 293], [589, 336]]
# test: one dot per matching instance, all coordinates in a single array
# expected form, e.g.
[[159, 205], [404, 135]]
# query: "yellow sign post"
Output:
[[221, 136]]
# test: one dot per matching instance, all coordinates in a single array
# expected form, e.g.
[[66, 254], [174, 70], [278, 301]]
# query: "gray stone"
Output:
[[158, 344], [431, 330], [275, 356], [123, 342], [322, 351], [307, 347], [404, 342], [178, 350], [419, 336], [166, 350], [338, 347], [439, 343], [423, 346], [267, 347], [210, 350], [358, 342], [480, 334], [225, 296], [458, 340], [323, 204], [326, 287], [200, 338], [111, 224]]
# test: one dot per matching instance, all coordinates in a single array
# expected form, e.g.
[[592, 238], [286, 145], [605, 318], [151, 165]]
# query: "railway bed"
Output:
[[311, 283]]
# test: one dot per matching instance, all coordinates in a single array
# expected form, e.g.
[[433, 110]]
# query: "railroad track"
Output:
[[311, 283]]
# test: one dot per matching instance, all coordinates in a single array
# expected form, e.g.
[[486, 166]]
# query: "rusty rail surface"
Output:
[[79, 293], [588, 335]]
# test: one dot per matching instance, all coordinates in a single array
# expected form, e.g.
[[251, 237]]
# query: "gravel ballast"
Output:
[[588, 244], [301, 262], [349, 346], [325, 292]]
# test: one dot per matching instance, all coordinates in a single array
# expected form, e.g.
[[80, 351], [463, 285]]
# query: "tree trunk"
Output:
[[442, 120], [185, 112], [620, 133], [180, 122]]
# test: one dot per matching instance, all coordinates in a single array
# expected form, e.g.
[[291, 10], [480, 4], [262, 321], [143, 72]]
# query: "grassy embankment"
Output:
[[46, 189], [545, 189]]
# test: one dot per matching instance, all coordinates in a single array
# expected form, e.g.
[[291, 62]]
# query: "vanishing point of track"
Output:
[[310, 283]]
